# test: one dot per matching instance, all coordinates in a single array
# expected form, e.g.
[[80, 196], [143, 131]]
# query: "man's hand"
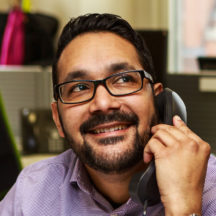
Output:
[[181, 159]]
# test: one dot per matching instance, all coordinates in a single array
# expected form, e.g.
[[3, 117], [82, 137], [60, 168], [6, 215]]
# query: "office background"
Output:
[[30, 87]]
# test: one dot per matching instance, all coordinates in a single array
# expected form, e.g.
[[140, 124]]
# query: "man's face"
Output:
[[108, 133]]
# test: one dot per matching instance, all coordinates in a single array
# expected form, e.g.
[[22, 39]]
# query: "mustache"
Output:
[[102, 118]]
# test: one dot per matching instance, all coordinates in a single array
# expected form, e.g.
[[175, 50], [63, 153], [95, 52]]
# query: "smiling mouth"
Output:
[[109, 129]]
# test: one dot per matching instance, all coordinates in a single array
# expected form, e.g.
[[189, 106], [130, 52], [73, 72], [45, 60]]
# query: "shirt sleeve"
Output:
[[37, 188], [7, 205], [11, 205], [209, 194]]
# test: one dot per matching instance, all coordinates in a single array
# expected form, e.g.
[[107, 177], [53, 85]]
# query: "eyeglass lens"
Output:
[[118, 84]]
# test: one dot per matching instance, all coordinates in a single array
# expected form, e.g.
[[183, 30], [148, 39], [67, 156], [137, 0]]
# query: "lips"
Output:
[[108, 123], [109, 129]]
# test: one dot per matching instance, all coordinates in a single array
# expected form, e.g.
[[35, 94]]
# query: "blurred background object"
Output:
[[26, 38], [10, 162], [39, 133]]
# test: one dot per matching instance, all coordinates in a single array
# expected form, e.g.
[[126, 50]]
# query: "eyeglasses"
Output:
[[79, 91]]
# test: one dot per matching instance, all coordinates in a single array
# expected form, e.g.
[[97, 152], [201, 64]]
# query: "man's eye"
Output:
[[124, 79], [79, 87]]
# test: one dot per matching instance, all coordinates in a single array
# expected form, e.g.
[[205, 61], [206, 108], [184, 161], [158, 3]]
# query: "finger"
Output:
[[172, 136], [180, 130], [167, 136], [204, 147], [153, 148], [183, 127]]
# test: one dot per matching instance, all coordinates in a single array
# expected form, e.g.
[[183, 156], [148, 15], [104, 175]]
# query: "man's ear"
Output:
[[55, 115], [158, 88]]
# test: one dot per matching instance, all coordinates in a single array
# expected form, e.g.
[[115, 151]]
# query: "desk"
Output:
[[30, 159]]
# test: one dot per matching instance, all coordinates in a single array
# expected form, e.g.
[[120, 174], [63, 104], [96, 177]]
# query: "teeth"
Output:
[[105, 130]]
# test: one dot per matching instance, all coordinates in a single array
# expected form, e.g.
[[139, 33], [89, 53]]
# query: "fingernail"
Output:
[[177, 118]]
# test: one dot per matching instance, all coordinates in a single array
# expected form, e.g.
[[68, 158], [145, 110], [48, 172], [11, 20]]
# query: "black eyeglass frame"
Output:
[[143, 74]]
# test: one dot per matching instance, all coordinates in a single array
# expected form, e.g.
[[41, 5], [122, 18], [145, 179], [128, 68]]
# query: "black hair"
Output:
[[102, 23]]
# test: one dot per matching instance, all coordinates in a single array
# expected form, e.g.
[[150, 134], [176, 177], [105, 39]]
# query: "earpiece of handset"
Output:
[[143, 186], [168, 104]]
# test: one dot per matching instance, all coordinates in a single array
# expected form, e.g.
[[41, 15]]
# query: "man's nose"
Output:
[[103, 101]]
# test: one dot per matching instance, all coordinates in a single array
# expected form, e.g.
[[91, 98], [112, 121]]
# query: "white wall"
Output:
[[151, 14], [139, 13]]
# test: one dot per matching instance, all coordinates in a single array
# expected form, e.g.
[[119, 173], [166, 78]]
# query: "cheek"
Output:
[[72, 118], [143, 107]]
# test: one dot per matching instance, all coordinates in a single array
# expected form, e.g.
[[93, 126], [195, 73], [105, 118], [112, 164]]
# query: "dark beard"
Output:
[[119, 162]]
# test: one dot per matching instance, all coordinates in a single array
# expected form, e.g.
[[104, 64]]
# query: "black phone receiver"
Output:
[[169, 104], [143, 186]]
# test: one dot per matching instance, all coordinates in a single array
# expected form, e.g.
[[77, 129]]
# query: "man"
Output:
[[104, 90]]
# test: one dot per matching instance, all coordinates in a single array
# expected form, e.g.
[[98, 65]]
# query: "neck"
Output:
[[114, 186]]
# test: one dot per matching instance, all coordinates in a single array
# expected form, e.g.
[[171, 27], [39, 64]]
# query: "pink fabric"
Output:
[[12, 52]]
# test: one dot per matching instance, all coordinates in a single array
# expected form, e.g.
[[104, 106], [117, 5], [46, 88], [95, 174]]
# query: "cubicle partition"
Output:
[[24, 87], [199, 94]]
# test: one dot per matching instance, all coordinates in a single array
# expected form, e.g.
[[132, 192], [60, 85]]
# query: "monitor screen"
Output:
[[207, 63], [10, 164]]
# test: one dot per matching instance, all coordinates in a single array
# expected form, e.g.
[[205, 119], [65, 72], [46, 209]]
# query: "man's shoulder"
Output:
[[39, 186], [57, 166]]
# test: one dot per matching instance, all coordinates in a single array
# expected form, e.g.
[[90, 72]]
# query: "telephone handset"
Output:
[[143, 187]]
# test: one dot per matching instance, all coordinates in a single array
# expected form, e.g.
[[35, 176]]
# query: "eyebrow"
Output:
[[79, 74], [116, 67], [112, 68]]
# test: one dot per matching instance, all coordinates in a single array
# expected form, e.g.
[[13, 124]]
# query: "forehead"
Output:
[[94, 54]]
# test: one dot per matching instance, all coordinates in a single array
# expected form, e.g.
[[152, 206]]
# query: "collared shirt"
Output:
[[60, 186]]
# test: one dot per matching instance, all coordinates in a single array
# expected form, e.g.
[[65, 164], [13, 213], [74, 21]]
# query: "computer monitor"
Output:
[[207, 63], [10, 164], [157, 42]]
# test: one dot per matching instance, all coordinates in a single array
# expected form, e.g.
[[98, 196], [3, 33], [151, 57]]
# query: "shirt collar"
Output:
[[80, 177]]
